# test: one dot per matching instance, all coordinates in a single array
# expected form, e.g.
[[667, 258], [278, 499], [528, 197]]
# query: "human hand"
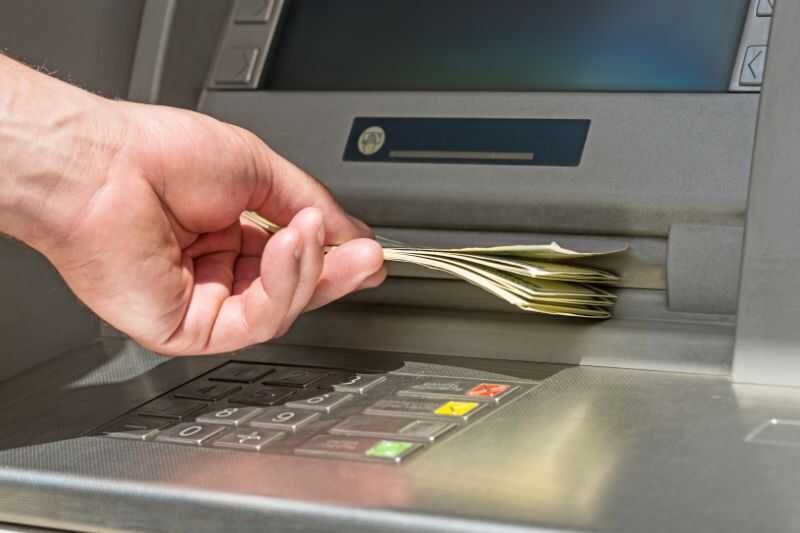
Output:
[[138, 207]]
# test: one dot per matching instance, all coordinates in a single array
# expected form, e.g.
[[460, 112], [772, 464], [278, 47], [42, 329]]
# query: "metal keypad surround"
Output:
[[319, 412]]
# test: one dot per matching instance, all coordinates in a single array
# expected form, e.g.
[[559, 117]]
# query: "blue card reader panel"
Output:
[[487, 141]]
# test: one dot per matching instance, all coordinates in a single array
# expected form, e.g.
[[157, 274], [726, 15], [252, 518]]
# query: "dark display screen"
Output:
[[507, 45]]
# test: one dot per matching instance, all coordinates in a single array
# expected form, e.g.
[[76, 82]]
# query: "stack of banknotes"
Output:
[[540, 278]]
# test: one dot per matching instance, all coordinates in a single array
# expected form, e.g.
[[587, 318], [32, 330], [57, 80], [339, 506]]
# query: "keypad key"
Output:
[[134, 427], [230, 415], [332, 378], [206, 390], [167, 407], [359, 383], [358, 448], [262, 395], [455, 411], [240, 373], [457, 389], [326, 402], [392, 450], [284, 419], [493, 391], [294, 377], [190, 433], [248, 439], [392, 428]]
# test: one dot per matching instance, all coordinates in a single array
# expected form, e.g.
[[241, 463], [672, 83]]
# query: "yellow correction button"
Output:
[[456, 408]]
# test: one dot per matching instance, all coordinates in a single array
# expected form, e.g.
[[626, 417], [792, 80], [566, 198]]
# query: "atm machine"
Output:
[[426, 405]]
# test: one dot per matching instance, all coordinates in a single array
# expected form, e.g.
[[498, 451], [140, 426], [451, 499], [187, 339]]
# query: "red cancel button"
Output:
[[488, 390]]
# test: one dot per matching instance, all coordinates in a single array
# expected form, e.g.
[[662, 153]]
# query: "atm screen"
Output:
[[507, 45]]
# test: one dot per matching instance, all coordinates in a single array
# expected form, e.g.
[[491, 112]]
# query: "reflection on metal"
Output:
[[564, 468], [777, 432]]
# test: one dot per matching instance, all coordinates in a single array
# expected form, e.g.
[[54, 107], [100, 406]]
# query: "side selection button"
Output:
[[765, 8], [237, 66], [253, 11], [755, 59]]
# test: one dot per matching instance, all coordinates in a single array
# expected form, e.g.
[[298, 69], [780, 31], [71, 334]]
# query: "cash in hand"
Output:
[[538, 278]]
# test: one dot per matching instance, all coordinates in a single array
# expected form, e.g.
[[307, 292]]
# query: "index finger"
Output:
[[288, 189]]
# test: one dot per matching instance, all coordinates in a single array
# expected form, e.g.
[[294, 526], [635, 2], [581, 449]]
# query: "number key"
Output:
[[248, 439], [323, 402], [359, 383], [229, 416], [282, 418], [190, 433]]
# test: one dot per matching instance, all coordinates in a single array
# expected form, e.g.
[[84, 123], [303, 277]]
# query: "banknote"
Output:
[[538, 278]]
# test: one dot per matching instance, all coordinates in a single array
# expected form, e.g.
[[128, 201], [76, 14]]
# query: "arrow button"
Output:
[[765, 8], [253, 11], [755, 59], [237, 65]]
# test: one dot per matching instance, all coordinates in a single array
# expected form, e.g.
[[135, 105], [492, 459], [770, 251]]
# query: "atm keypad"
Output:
[[327, 413]]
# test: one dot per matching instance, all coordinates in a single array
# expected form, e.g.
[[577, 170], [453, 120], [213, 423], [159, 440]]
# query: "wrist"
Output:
[[54, 147]]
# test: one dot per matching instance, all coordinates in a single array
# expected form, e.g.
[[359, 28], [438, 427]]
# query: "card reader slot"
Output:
[[465, 155]]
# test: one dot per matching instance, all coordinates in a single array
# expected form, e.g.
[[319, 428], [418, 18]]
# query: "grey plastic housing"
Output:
[[651, 160], [768, 327]]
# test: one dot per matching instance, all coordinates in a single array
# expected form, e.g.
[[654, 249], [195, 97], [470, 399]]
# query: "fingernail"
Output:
[[298, 250], [360, 224]]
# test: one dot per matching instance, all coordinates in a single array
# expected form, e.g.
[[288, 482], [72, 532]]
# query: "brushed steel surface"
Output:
[[589, 449]]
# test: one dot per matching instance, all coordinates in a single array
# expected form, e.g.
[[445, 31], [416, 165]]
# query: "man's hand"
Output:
[[138, 207]]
